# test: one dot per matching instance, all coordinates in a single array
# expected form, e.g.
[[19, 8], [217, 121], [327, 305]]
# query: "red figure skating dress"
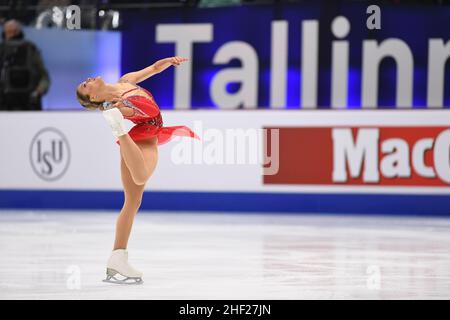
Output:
[[148, 120]]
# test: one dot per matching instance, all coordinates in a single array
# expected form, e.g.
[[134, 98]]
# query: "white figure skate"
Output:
[[119, 271], [107, 105], [115, 120]]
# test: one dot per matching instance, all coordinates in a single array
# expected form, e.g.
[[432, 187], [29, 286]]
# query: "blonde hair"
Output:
[[86, 102]]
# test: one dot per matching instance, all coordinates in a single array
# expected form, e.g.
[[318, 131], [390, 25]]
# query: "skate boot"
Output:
[[119, 271], [107, 105], [115, 120]]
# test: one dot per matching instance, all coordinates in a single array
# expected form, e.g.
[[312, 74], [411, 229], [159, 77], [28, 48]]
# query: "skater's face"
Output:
[[90, 93], [91, 88]]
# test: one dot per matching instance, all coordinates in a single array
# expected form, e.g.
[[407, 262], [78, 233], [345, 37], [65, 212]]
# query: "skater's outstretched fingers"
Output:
[[177, 60]]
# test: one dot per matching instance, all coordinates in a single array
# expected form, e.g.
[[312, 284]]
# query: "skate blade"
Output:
[[127, 281], [112, 276]]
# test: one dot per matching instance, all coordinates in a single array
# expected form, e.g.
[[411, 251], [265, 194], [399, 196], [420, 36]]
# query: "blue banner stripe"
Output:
[[432, 205]]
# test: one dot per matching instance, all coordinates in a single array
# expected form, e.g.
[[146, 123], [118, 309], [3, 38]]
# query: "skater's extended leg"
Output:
[[139, 157]]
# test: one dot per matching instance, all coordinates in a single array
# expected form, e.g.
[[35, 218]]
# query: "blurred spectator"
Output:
[[23, 76]]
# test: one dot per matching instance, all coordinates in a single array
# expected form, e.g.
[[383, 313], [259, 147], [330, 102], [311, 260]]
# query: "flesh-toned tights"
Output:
[[137, 163]]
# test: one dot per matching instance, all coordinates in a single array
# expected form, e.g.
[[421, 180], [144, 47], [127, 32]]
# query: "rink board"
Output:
[[390, 162]]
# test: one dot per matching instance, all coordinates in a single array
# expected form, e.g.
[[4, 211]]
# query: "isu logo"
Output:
[[49, 154], [416, 156]]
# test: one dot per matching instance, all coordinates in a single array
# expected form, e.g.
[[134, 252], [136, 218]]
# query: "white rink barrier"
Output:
[[300, 161]]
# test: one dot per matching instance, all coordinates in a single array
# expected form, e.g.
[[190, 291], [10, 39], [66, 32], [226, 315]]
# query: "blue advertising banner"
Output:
[[294, 56]]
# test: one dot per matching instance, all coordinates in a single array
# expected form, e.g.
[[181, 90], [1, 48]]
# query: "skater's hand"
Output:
[[117, 103], [176, 61]]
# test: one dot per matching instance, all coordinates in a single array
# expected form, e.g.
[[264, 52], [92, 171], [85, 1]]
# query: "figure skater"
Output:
[[138, 148]]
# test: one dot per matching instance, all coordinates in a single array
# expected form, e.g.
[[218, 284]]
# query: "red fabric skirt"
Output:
[[165, 134]]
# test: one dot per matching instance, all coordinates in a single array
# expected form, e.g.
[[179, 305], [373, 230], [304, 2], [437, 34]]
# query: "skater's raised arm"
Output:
[[160, 65]]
